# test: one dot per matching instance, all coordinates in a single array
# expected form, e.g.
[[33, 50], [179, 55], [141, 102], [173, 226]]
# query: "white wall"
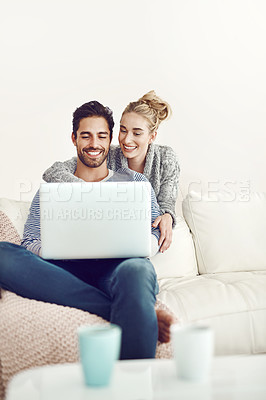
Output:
[[206, 57]]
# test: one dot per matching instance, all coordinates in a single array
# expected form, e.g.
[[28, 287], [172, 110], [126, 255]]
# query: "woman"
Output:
[[138, 129]]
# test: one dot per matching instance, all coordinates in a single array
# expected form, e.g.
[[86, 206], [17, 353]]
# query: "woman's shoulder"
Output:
[[166, 158], [165, 152]]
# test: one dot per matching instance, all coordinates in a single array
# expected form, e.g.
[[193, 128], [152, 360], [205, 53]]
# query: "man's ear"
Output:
[[74, 139], [152, 137]]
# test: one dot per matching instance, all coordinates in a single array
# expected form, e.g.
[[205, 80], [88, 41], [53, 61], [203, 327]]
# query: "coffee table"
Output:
[[232, 377]]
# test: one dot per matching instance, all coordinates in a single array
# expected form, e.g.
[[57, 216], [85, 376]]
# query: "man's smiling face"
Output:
[[92, 141]]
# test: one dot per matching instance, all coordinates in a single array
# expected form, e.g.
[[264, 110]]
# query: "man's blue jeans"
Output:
[[122, 291]]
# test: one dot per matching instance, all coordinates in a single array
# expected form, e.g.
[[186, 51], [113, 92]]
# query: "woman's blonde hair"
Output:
[[151, 107]]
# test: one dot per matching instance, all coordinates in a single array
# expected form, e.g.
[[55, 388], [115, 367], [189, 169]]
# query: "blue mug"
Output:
[[99, 347]]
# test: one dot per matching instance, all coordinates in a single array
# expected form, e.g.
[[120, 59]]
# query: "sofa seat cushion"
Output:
[[234, 304]]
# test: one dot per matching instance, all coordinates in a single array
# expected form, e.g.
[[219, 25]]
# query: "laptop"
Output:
[[95, 220]]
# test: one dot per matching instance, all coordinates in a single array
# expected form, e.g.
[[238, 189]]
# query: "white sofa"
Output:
[[221, 280], [214, 272]]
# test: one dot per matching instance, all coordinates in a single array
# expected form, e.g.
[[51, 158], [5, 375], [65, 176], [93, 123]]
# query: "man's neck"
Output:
[[91, 174]]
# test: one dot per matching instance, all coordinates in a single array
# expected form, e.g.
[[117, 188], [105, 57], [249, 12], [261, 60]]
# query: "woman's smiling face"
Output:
[[134, 136]]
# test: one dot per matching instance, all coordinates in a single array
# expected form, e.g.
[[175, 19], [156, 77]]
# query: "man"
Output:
[[123, 291]]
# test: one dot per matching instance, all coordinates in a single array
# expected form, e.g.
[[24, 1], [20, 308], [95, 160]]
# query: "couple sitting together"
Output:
[[122, 291]]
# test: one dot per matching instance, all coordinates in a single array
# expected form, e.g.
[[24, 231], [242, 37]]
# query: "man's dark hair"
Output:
[[92, 109]]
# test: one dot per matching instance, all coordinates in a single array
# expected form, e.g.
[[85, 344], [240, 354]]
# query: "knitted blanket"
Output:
[[8, 233]]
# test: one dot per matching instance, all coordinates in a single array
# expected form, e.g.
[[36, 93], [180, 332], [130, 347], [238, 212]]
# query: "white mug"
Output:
[[193, 347]]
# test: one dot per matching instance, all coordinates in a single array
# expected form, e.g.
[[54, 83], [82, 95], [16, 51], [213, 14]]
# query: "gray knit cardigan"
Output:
[[161, 169]]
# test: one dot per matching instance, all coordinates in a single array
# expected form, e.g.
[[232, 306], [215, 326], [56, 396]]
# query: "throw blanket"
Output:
[[8, 233]]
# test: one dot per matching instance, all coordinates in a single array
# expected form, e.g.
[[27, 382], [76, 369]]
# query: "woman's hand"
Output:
[[165, 222]]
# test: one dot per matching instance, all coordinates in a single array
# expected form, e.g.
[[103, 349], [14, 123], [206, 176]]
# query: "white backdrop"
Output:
[[207, 58]]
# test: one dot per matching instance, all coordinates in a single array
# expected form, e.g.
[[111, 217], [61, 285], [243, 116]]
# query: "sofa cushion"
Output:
[[233, 304], [229, 230], [180, 259]]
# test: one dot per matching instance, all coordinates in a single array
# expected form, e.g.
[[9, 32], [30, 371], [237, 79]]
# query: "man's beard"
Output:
[[91, 163]]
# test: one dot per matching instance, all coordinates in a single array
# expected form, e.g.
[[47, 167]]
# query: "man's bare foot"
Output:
[[165, 320]]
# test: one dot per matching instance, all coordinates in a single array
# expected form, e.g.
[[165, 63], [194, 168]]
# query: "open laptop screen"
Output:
[[95, 220]]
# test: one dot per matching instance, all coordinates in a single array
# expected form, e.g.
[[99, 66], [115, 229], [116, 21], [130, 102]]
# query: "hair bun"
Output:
[[161, 107], [150, 107]]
